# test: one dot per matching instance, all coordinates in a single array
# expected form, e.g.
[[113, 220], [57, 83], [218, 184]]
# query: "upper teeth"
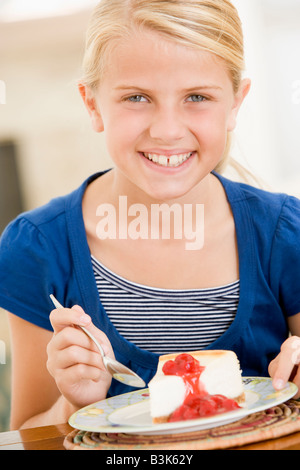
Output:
[[171, 160]]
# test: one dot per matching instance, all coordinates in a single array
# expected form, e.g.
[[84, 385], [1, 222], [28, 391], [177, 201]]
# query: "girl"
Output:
[[163, 81]]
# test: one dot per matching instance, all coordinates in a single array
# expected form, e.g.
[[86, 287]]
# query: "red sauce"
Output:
[[198, 403]]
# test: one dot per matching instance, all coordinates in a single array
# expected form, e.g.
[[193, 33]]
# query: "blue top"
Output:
[[45, 251]]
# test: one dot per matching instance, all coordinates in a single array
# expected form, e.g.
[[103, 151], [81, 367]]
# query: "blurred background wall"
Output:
[[47, 146]]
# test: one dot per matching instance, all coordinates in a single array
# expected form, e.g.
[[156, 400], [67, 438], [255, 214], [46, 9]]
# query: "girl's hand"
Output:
[[285, 367], [74, 361]]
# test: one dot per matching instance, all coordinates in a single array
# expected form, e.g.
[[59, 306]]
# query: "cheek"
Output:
[[123, 129], [212, 135]]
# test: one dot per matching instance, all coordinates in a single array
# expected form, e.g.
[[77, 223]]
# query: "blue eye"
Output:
[[136, 99], [196, 98]]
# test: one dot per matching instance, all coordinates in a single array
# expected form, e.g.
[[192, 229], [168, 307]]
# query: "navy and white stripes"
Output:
[[165, 321]]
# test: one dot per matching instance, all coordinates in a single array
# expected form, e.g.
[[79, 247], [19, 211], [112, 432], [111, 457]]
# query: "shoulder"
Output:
[[36, 257], [239, 191], [51, 213], [34, 235], [271, 208], [262, 205], [50, 219], [269, 221], [34, 230]]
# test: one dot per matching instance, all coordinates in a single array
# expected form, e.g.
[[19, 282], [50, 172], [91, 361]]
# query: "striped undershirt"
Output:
[[165, 321]]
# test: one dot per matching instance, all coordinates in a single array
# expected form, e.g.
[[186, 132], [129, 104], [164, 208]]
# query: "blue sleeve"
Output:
[[26, 272], [285, 258]]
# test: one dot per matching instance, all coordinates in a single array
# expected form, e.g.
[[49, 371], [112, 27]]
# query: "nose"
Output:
[[167, 125]]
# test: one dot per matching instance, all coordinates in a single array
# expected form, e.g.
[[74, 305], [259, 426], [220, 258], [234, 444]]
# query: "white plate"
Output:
[[130, 412]]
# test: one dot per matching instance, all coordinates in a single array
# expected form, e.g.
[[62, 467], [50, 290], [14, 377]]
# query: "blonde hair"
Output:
[[210, 25]]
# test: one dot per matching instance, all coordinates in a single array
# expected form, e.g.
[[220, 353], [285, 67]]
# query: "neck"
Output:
[[201, 193]]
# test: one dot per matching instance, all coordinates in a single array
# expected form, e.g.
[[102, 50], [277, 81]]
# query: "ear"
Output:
[[238, 100], [89, 100]]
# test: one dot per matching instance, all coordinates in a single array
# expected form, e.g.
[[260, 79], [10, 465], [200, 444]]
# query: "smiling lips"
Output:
[[171, 161]]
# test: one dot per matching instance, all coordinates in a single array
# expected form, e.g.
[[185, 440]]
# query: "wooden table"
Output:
[[43, 438], [52, 438]]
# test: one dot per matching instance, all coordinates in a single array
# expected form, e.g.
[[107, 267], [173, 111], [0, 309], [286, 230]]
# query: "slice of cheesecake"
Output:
[[194, 385]]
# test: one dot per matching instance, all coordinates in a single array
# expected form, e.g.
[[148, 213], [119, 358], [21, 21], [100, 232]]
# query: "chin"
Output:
[[168, 195], [166, 191]]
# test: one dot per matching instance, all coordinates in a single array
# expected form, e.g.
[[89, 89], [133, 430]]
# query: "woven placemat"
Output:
[[275, 422]]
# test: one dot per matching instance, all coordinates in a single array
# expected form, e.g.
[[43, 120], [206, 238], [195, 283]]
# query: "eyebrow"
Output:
[[195, 88], [205, 87]]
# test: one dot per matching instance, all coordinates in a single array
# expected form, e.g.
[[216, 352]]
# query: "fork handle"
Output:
[[58, 305]]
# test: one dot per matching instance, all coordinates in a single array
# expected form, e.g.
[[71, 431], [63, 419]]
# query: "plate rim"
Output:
[[280, 397]]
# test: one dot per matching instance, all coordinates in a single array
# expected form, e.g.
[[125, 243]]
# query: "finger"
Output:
[[71, 346], [102, 339], [78, 355], [70, 341], [273, 367], [296, 381], [77, 373], [62, 317], [283, 366], [68, 336]]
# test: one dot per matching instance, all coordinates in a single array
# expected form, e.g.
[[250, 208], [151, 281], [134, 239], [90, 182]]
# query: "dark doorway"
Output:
[[10, 193]]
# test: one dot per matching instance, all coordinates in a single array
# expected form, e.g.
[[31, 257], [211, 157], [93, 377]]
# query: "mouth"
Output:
[[168, 161]]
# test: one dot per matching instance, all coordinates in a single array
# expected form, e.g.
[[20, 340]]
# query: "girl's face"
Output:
[[166, 110]]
